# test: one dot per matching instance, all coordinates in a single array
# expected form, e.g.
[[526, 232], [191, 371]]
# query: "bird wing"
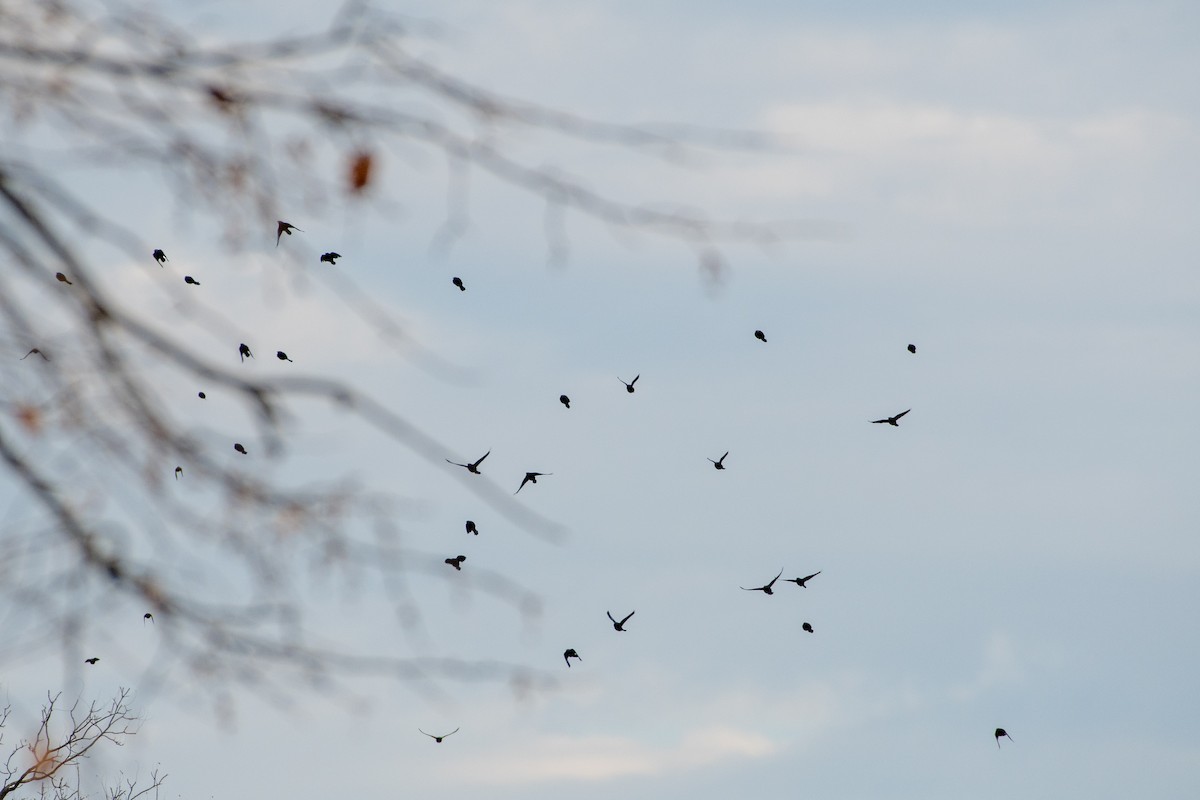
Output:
[[631, 613], [522, 486], [481, 458], [755, 589], [815, 574], [610, 616], [901, 414], [877, 421], [635, 379], [455, 463], [430, 735], [722, 458], [772, 583], [451, 733]]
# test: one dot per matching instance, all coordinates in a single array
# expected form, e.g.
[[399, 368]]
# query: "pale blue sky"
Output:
[[1016, 186]]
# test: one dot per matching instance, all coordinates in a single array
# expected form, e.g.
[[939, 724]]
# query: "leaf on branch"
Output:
[[30, 418], [360, 171]]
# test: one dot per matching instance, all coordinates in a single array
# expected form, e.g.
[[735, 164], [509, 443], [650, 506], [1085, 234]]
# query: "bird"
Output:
[[178, 472], [282, 228], [31, 352], [471, 528], [238, 446], [629, 386], [718, 463], [801, 581], [912, 348], [807, 628], [566, 401], [766, 589], [282, 356], [1001, 732], [457, 281], [621, 625], [188, 279], [893, 421], [244, 351], [63, 278], [530, 477], [438, 739], [456, 562], [91, 661], [472, 468], [147, 616], [201, 395], [160, 257], [330, 258], [762, 337], [570, 653]]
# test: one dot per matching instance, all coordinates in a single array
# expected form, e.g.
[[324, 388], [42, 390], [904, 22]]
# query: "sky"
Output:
[[1010, 187]]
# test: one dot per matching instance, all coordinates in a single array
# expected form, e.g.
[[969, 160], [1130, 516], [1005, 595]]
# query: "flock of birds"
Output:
[[244, 352]]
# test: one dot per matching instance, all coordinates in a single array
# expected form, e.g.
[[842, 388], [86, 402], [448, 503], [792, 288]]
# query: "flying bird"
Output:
[[282, 356], [471, 528], [912, 348], [188, 279], [63, 278], [762, 337], [31, 352], [619, 626], [238, 446], [629, 386], [531, 477], [457, 281], [718, 463], [160, 257], [91, 661], [801, 581], [201, 395], [807, 628], [330, 258], [1001, 732], [178, 472], [765, 589], [244, 351], [893, 421], [282, 228], [147, 616], [438, 739], [570, 653], [472, 468], [566, 401], [456, 562]]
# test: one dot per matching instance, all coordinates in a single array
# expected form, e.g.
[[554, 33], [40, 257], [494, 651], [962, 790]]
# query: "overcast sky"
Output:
[[1012, 187]]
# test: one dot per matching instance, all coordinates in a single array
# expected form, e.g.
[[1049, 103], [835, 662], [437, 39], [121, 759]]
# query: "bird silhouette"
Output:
[[1001, 732], [801, 581], [63, 278], [201, 395], [766, 589], [330, 258], [807, 628], [438, 739], [570, 653], [473, 467], [147, 616], [530, 477], [31, 352], [762, 337], [457, 281], [893, 421], [282, 228], [238, 446], [160, 257], [619, 626], [282, 356], [566, 401], [629, 386], [912, 348], [456, 562], [91, 661], [471, 528], [718, 463], [244, 351], [188, 279], [178, 472]]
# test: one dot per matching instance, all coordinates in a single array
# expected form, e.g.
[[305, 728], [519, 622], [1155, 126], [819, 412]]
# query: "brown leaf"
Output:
[[360, 171]]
